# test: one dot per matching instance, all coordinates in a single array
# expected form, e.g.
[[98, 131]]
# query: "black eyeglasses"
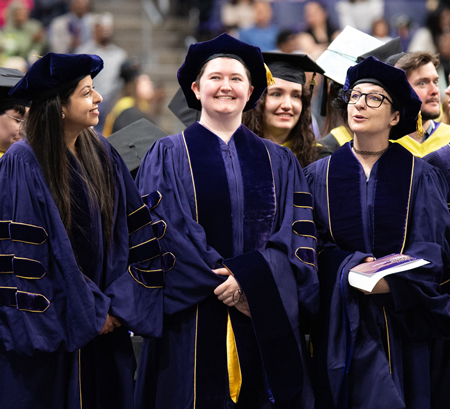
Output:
[[373, 99]]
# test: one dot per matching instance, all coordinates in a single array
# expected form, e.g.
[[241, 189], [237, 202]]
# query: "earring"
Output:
[[63, 116]]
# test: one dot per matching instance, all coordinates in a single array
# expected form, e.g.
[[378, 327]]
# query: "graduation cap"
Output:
[[9, 77], [344, 51], [394, 81], [179, 107], [133, 142], [291, 67], [381, 52], [385, 51], [53, 73], [222, 46]]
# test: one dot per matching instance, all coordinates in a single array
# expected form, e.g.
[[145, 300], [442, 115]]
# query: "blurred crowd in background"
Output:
[[30, 28]]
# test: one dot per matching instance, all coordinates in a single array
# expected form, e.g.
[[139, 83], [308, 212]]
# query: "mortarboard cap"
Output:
[[133, 142], [180, 108], [344, 51], [222, 46], [9, 77], [55, 72], [385, 51], [393, 59], [290, 67], [394, 81]]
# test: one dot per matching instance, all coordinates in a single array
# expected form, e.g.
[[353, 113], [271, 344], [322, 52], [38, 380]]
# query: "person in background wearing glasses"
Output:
[[372, 199], [12, 110]]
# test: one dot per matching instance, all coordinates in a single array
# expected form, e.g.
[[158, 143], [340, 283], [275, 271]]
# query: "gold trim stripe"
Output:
[[388, 344], [192, 175], [305, 262], [409, 201], [328, 201]]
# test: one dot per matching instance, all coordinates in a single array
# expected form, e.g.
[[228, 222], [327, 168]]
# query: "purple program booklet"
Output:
[[366, 275]]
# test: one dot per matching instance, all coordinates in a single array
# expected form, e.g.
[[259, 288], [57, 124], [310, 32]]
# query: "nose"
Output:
[[286, 102], [97, 97], [447, 90], [225, 84], [435, 88]]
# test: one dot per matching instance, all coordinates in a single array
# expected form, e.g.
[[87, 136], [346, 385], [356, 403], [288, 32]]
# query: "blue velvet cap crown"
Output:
[[55, 72], [394, 81], [200, 53]]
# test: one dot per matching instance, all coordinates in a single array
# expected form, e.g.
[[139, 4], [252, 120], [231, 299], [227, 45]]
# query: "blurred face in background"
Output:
[[263, 14], [21, 15], [144, 87], [79, 7], [11, 128], [314, 14]]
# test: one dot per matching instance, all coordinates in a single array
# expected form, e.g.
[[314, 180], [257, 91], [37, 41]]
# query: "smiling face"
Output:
[[223, 89], [82, 110], [283, 107], [425, 81], [364, 120]]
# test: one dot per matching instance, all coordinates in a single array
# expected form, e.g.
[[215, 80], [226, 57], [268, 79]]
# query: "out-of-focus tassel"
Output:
[[419, 126], [270, 80], [312, 82]]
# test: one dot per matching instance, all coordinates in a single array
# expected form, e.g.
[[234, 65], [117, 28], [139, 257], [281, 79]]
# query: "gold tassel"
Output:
[[270, 80], [419, 127], [312, 81]]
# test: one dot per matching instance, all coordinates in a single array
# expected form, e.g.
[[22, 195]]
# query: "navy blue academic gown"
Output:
[[55, 292], [375, 348], [440, 352], [243, 205]]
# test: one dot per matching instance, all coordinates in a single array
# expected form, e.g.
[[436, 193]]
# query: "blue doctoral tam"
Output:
[[222, 46], [55, 72], [394, 81]]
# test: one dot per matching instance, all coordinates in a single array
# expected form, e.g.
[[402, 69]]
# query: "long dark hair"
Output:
[[45, 134], [301, 137]]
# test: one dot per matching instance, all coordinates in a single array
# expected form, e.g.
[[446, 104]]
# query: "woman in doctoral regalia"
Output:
[[283, 113], [73, 228], [239, 223], [371, 199]]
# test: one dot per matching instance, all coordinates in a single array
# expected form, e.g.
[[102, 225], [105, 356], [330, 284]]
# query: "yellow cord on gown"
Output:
[[234, 368]]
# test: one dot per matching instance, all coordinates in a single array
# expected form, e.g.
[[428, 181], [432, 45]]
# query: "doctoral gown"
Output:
[[375, 348], [243, 205], [56, 290], [440, 351]]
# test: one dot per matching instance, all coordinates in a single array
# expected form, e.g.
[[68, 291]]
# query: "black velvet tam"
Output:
[[55, 72], [290, 67], [394, 81], [8, 78], [384, 52], [222, 46]]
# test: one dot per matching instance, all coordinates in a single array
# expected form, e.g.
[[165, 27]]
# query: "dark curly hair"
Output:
[[301, 137]]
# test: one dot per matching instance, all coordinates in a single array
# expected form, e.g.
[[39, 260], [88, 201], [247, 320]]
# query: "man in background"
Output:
[[420, 68]]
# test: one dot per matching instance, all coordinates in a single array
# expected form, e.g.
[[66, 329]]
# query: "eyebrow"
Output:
[[371, 91], [86, 86], [221, 73]]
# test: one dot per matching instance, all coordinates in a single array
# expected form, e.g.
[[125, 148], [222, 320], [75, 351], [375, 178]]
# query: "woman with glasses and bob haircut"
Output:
[[239, 223], [74, 237], [373, 199]]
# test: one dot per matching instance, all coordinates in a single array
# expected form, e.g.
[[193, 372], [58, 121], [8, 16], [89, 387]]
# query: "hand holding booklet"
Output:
[[365, 276]]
